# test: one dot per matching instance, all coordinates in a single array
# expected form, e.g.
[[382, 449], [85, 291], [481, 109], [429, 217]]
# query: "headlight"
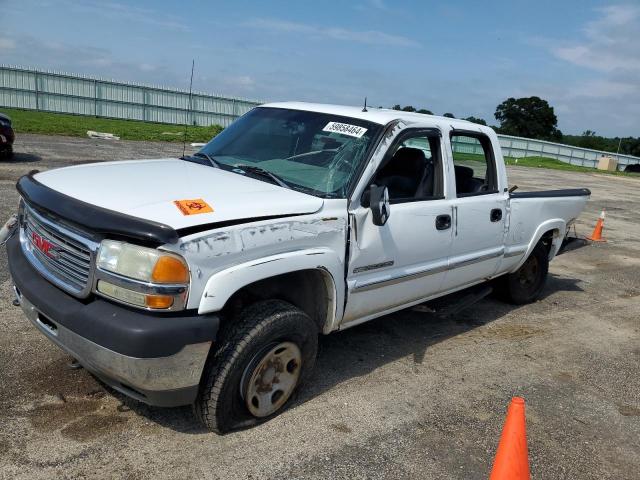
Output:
[[143, 277], [146, 264], [5, 123]]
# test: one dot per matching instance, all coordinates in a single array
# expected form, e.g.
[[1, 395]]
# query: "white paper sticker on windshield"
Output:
[[345, 129]]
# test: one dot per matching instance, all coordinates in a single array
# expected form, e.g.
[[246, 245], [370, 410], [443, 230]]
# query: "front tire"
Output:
[[526, 284], [262, 359]]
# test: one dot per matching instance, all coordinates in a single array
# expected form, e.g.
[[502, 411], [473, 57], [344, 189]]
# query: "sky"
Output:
[[462, 57]]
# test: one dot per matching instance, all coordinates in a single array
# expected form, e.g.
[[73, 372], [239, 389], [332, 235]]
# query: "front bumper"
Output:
[[134, 352]]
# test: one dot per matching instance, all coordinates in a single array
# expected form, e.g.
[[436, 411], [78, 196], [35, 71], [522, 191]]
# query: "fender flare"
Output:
[[553, 224], [223, 284]]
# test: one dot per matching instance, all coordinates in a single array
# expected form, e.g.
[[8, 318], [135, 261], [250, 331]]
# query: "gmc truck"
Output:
[[207, 279]]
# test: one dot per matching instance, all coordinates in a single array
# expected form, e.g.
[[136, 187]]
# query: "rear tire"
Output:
[[526, 284], [262, 359]]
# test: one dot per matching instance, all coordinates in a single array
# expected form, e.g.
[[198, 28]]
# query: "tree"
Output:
[[477, 120], [408, 108], [631, 146], [425, 111], [530, 117], [589, 139], [449, 115]]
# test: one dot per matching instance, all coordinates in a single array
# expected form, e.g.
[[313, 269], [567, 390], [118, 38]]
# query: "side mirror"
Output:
[[379, 203]]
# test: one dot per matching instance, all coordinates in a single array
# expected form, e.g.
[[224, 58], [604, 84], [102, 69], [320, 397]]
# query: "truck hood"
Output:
[[148, 189]]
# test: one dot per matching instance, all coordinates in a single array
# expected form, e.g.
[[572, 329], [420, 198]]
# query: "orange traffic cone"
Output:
[[596, 236], [512, 461]]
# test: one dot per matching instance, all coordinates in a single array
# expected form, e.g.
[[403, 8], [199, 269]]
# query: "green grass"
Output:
[[544, 162], [29, 121], [538, 162]]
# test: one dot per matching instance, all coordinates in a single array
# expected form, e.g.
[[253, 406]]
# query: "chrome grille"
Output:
[[60, 255]]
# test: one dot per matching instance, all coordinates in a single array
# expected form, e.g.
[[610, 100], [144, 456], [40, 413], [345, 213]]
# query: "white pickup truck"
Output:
[[206, 280]]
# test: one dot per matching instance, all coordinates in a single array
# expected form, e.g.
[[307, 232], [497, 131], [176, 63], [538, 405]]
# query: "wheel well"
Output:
[[311, 291], [548, 239]]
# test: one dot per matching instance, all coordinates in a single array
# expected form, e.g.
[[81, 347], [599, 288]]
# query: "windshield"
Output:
[[314, 152]]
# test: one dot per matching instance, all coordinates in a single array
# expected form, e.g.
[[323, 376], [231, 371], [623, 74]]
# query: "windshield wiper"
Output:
[[208, 157], [264, 173], [308, 154]]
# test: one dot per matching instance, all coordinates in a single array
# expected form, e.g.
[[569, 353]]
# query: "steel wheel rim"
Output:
[[271, 377]]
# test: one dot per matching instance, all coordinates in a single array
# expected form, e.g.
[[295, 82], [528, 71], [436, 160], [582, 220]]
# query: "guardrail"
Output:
[[517, 147], [82, 95]]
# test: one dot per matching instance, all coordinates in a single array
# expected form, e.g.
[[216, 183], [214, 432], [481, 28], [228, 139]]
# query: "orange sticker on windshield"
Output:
[[192, 207]]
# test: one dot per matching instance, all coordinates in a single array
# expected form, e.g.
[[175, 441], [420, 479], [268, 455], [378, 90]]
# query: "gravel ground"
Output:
[[405, 396]]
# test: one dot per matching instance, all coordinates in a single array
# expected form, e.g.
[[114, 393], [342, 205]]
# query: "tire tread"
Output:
[[521, 298], [250, 324]]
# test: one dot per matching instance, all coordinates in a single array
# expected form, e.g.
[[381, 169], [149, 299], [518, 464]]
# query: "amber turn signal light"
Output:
[[158, 301], [170, 270]]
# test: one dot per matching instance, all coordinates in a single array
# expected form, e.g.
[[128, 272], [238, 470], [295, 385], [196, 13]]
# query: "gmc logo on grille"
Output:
[[44, 245]]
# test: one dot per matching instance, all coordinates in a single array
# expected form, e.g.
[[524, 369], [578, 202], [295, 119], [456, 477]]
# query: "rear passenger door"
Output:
[[479, 210]]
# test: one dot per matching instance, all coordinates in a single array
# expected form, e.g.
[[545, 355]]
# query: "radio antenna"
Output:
[[365, 105], [186, 123]]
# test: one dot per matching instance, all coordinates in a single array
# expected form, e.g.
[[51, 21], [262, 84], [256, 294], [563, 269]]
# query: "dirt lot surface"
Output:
[[406, 396]]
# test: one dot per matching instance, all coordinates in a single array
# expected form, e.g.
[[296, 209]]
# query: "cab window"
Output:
[[474, 164], [412, 169]]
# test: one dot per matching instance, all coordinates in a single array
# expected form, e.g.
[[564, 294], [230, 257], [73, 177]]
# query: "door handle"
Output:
[[443, 222], [496, 215]]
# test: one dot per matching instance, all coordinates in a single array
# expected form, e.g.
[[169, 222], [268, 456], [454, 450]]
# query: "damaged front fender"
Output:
[[222, 285], [223, 261]]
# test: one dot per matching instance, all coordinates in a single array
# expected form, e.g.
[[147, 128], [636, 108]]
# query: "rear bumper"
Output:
[[6, 138], [134, 352]]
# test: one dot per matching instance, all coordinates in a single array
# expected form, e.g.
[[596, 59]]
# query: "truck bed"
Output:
[[566, 192], [535, 214]]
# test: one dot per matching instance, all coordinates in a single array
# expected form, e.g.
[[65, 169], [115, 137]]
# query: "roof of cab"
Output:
[[381, 116]]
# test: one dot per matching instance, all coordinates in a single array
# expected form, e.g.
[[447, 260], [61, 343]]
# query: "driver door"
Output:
[[405, 260]]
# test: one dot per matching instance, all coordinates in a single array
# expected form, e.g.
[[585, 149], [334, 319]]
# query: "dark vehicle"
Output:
[[6, 137]]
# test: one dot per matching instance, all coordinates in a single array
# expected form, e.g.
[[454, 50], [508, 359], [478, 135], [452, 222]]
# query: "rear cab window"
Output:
[[474, 164]]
